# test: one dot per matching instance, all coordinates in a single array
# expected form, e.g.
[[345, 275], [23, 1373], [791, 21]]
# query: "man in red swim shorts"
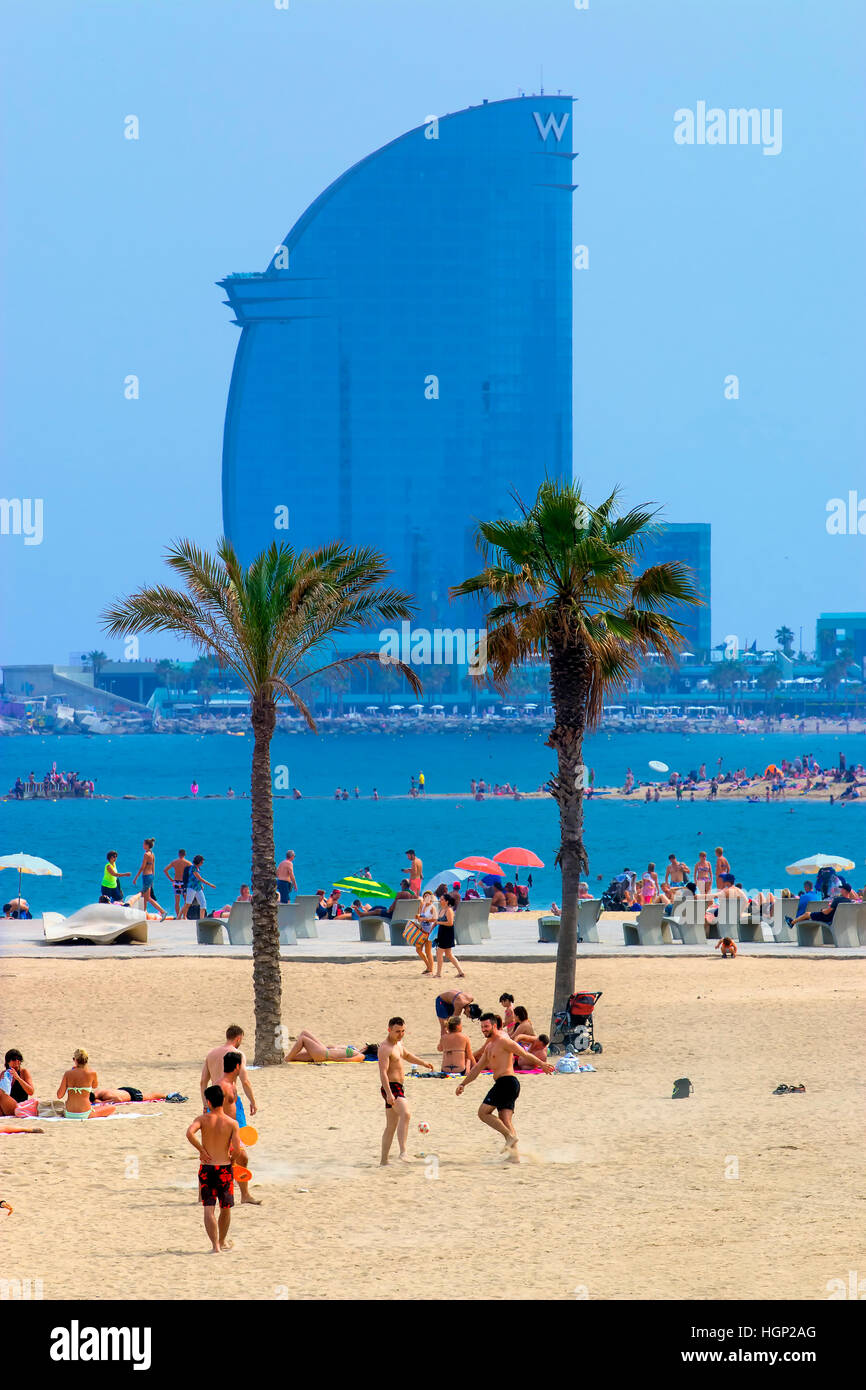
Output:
[[220, 1140], [392, 1054]]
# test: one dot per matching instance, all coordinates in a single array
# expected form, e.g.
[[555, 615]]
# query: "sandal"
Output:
[[797, 1089], [781, 1090]]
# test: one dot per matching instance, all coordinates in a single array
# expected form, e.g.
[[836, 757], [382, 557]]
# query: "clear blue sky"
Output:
[[704, 261]]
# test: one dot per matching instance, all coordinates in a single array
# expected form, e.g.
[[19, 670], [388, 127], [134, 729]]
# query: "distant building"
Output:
[[688, 542], [406, 359], [837, 631]]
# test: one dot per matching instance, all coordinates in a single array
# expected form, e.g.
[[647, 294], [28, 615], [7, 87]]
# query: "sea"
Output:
[[148, 780]]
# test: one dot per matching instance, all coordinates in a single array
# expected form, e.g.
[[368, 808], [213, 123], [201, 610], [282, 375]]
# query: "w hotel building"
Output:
[[405, 361]]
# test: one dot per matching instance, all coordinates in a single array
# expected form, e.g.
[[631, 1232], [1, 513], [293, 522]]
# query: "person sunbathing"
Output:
[[456, 1049], [127, 1095], [76, 1085], [308, 1048], [536, 1051], [522, 1024]]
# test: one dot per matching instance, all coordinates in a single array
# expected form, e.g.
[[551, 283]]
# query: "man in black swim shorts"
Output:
[[498, 1054]]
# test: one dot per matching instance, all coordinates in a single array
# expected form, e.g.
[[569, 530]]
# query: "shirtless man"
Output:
[[146, 869], [498, 1054], [220, 1145], [233, 1106], [174, 872], [536, 1051], [416, 872], [676, 876], [213, 1069], [392, 1054], [722, 865], [456, 1049]]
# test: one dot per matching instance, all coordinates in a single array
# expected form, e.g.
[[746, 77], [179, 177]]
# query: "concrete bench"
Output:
[[471, 922], [209, 931]]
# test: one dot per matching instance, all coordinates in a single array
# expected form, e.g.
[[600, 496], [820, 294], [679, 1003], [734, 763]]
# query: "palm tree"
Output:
[[270, 624], [564, 587], [785, 639], [97, 660]]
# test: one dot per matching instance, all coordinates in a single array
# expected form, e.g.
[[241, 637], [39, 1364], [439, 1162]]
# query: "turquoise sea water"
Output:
[[333, 838]]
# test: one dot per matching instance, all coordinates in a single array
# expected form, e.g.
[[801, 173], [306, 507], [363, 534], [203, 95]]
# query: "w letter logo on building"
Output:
[[544, 128]]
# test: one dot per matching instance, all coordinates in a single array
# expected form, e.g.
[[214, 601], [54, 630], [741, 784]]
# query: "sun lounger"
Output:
[[651, 928], [102, 924], [842, 931], [371, 928], [209, 931], [239, 924], [782, 908], [588, 914], [471, 922], [286, 913], [303, 916], [404, 910], [548, 930]]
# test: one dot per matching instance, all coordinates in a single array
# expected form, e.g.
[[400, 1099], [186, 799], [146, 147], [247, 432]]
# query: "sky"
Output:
[[706, 262]]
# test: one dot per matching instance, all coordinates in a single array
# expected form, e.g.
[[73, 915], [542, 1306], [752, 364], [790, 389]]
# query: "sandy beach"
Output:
[[623, 1193]]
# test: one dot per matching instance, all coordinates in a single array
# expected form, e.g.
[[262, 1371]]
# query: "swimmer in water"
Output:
[[308, 1048]]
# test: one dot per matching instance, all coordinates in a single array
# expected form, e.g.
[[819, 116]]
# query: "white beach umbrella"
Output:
[[446, 876], [29, 864], [820, 861]]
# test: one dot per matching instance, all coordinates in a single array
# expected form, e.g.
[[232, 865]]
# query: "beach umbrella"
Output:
[[521, 858], [29, 864], [477, 863], [820, 861], [446, 876], [368, 886]]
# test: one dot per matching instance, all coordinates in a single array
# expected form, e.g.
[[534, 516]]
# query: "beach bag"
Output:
[[413, 933], [682, 1088]]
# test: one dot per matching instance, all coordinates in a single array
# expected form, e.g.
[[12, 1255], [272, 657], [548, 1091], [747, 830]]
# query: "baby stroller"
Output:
[[572, 1026]]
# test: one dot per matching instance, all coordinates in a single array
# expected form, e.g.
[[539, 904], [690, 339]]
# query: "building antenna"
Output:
[[541, 77]]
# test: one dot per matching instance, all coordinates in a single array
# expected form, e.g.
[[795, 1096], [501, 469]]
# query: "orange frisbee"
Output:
[[241, 1174], [249, 1135]]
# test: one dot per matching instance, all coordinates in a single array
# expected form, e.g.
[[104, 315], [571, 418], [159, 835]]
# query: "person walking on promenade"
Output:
[[286, 882]]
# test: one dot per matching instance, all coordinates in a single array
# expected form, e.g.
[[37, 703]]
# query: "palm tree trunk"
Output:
[[267, 981], [569, 678]]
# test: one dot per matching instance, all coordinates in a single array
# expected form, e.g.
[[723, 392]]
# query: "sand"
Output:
[[623, 1193]]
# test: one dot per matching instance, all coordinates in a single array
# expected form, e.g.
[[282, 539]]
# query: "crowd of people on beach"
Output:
[[221, 1134], [54, 784], [775, 781]]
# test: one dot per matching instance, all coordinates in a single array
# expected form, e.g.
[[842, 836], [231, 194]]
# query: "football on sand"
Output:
[[424, 1128]]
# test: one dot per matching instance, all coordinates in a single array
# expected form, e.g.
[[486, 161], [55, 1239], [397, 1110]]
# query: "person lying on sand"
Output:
[[308, 1048], [76, 1085], [129, 1095], [220, 1146]]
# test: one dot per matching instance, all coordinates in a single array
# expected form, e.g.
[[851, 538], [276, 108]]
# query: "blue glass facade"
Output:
[[688, 542], [405, 361]]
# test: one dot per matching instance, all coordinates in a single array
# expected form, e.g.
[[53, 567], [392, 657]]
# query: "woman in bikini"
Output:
[[308, 1048], [508, 1019], [76, 1086]]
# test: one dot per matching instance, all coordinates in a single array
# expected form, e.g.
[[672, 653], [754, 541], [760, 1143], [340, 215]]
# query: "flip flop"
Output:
[[781, 1090], [793, 1089]]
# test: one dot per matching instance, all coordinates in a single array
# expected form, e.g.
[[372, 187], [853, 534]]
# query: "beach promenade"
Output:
[[514, 937]]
